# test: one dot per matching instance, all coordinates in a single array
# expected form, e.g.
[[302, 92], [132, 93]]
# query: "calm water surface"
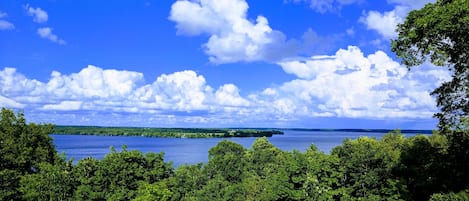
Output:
[[194, 150]]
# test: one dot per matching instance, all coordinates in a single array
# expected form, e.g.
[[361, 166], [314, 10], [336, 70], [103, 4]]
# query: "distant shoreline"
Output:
[[165, 132], [205, 132], [410, 131]]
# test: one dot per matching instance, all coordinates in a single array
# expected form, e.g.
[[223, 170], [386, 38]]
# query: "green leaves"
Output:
[[438, 33]]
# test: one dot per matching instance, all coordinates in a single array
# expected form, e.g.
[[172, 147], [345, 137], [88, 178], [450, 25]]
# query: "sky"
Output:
[[213, 63]]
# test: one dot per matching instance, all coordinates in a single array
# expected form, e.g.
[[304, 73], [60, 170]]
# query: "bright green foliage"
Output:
[[187, 180], [118, 175], [51, 182], [439, 33], [88, 186], [367, 169], [461, 196], [156, 191], [323, 176], [226, 159]]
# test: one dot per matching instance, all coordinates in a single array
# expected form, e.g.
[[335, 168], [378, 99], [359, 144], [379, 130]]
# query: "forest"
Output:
[[165, 132], [423, 167]]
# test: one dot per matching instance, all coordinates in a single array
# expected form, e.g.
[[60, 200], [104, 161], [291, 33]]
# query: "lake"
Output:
[[195, 150]]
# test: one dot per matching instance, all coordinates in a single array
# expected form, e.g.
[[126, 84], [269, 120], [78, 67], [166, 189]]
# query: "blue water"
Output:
[[194, 150]]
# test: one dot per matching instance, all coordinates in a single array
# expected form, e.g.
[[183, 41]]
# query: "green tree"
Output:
[[227, 160], [461, 196], [438, 33], [368, 169], [23, 147], [422, 166], [51, 182], [88, 186], [187, 180], [156, 191], [323, 176]]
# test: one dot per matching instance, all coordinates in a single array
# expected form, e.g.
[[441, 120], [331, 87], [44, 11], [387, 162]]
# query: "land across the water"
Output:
[[201, 132], [408, 131], [166, 132]]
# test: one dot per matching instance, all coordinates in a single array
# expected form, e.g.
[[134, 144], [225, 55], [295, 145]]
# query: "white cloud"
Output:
[[232, 37], [228, 95], [39, 15], [323, 6], [4, 24], [414, 4], [94, 82], [184, 91], [350, 84], [46, 32], [385, 23], [63, 106], [9, 103], [14, 84], [347, 84]]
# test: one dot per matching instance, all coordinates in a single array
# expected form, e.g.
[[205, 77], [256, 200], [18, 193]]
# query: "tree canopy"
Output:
[[439, 33]]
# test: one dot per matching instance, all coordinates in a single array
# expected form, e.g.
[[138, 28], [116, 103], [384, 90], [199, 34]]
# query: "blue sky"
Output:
[[213, 63]]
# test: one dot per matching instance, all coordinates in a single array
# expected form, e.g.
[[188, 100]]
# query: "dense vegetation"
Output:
[[164, 132], [393, 168]]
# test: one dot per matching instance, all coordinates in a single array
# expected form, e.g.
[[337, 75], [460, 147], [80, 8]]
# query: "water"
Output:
[[195, 150]]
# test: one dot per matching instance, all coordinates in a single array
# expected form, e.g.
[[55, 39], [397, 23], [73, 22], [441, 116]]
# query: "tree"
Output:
[[439, 33], [23, 147], [227, 160], [367, 166], [51, 182]]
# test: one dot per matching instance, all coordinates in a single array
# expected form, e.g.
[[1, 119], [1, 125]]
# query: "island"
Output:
[[166, 132]]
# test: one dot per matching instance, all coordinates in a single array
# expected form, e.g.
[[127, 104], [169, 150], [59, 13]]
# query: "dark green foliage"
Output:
[[119, 175], [438, 32], [227, 160], [23, 148]]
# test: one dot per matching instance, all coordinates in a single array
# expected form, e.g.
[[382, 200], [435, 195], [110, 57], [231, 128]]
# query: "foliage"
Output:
[[394, 167], [438, 33], [23, 148]]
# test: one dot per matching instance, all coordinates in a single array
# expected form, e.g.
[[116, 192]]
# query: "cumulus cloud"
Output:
[[323, 6], [39, 15], [64, 106], [9, 103], [385, 23], [46, 32], [414, 4], [183, 91], [94, 88], [346, 84], [4, 24], [350, 84], [228, 95], [232, 37]]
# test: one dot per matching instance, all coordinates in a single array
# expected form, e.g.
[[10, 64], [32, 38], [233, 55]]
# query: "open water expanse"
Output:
[[195, 150]]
